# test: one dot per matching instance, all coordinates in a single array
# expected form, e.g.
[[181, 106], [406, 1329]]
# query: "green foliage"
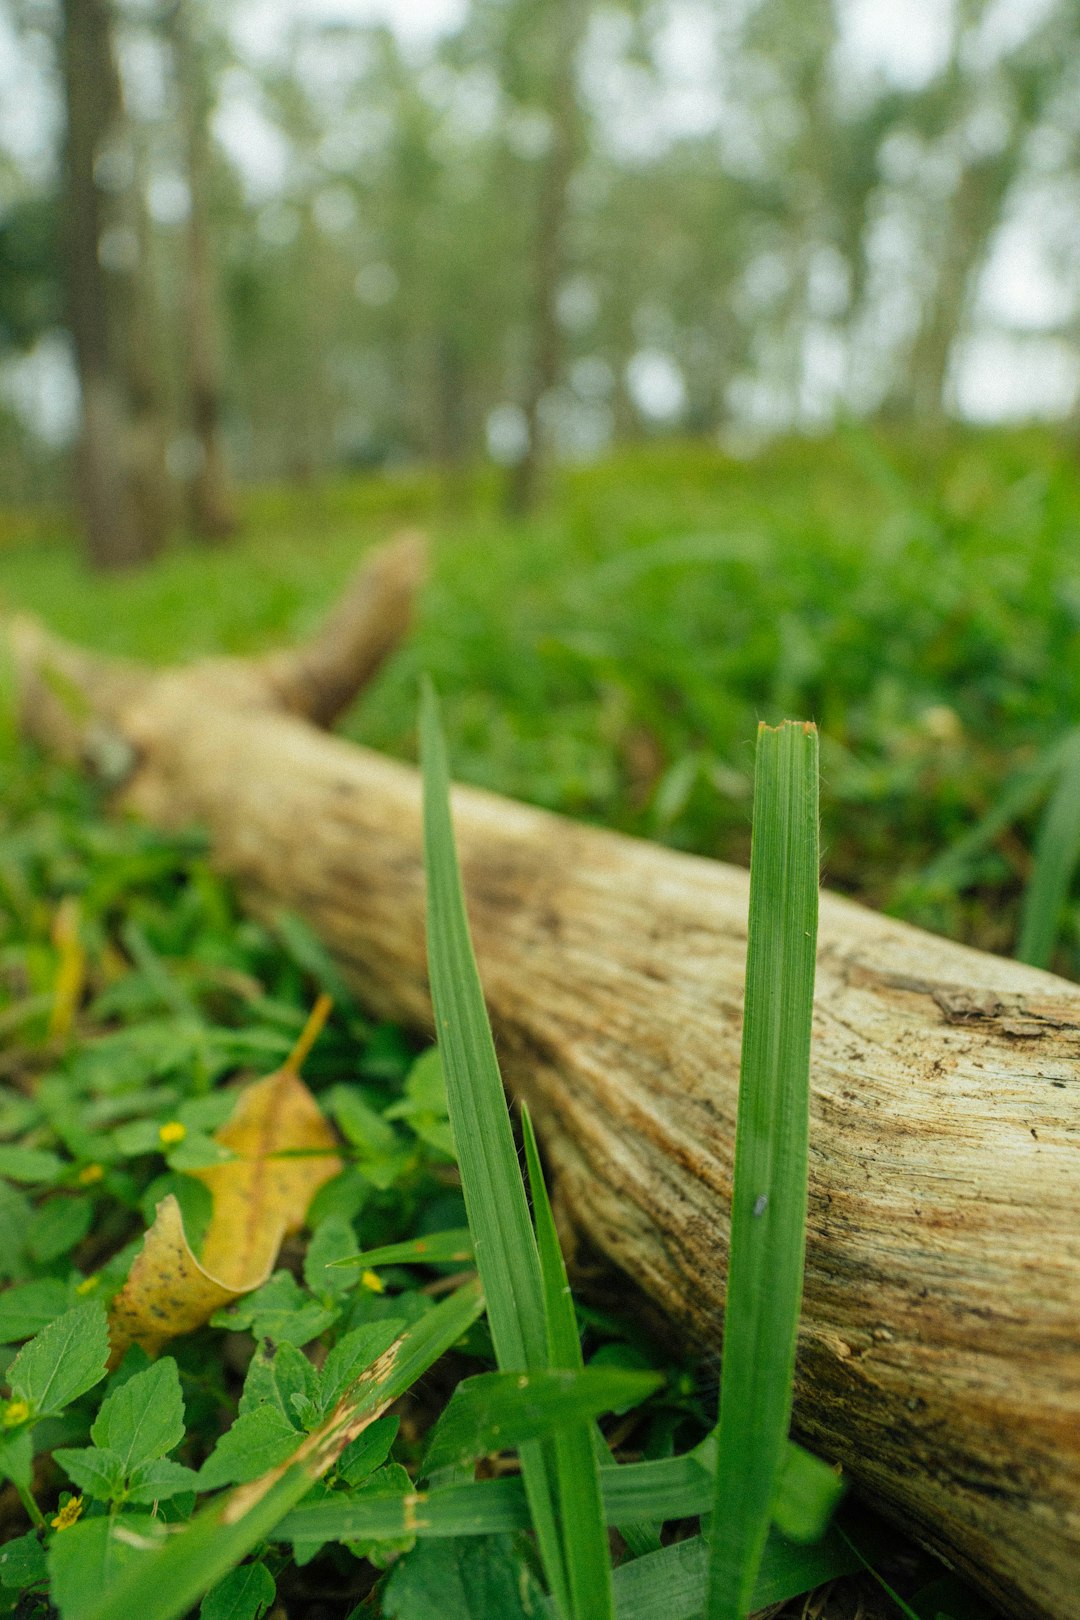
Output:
[[243, 1594], [497, 1411], [503, 1238], [710, 612], [611, 658], [471, 1578], [768, 1204]]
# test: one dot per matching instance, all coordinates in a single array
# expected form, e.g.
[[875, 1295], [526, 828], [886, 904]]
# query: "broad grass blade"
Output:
[[670, 1584], [675, 1488], [768, 1218], [503, 1239], [585, 1543], [1057, 849]]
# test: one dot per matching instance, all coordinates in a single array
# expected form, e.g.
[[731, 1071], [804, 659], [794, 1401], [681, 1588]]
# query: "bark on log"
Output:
[[939, 1349]]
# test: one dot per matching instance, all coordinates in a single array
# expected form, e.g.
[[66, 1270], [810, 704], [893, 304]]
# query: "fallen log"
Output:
[[939, 1349]]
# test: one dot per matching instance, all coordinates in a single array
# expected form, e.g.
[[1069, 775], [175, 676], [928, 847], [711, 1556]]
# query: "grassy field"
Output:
[[611, 657]]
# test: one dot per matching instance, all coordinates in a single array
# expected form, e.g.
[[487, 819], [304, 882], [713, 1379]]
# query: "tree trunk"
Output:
[[545, 337], [102, 250], [939, 1353], [210, 497]]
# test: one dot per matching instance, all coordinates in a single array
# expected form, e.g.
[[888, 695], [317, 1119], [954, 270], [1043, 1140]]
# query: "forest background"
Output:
[[275, 241], [729, 355]]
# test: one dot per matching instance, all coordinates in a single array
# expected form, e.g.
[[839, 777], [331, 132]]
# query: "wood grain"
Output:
[[939, 1350]]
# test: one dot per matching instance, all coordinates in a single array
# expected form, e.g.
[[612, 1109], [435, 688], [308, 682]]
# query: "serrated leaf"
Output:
[[244, 1594], [63, 1361], [280, 1311], [160, 1480], [352, 1355], [22, 1563], [257, 1442], [333, 1241], [96, 1471], [167, 1582], [28, 1307], [470, 1578], [390, 1480], [58, 1225], [144, 1418], [368, 1451], [87, 1557], [293, 1377]]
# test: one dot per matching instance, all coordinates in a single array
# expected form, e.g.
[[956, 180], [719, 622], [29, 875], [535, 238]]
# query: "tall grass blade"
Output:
[[1057, 849], [768, 1216], [577, 1470], [495, 1203]]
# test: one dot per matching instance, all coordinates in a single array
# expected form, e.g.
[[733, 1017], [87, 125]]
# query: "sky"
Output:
[[1013, 366]]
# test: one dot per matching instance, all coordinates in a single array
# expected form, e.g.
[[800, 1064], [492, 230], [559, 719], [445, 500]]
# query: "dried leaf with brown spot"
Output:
[[284, 1150]]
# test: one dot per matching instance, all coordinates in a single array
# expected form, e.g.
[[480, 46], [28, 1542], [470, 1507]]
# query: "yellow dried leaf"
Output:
[[284, 1151], [71, 967]]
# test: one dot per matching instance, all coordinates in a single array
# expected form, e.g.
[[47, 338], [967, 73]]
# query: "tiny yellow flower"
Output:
[[89, 1174], [15, 1412], [68, 1513], [172, 1133], [88, 1284], [372, 1280]]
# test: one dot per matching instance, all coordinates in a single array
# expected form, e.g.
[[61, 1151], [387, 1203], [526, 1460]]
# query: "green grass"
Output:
[[768, 1205], [612, 657], [532, 1318]]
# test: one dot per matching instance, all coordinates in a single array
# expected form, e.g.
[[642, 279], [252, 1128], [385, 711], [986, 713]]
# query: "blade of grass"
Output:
[[1057, 849], [435, 1248], [674, 1488], [585, 1543], [670, 1584], [768, 1216], [495, 1203]]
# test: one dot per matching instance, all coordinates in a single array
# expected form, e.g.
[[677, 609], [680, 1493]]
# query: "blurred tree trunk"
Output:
[[965, 240], [120, 494], [210, 497], [545, 338], [141, 334]]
